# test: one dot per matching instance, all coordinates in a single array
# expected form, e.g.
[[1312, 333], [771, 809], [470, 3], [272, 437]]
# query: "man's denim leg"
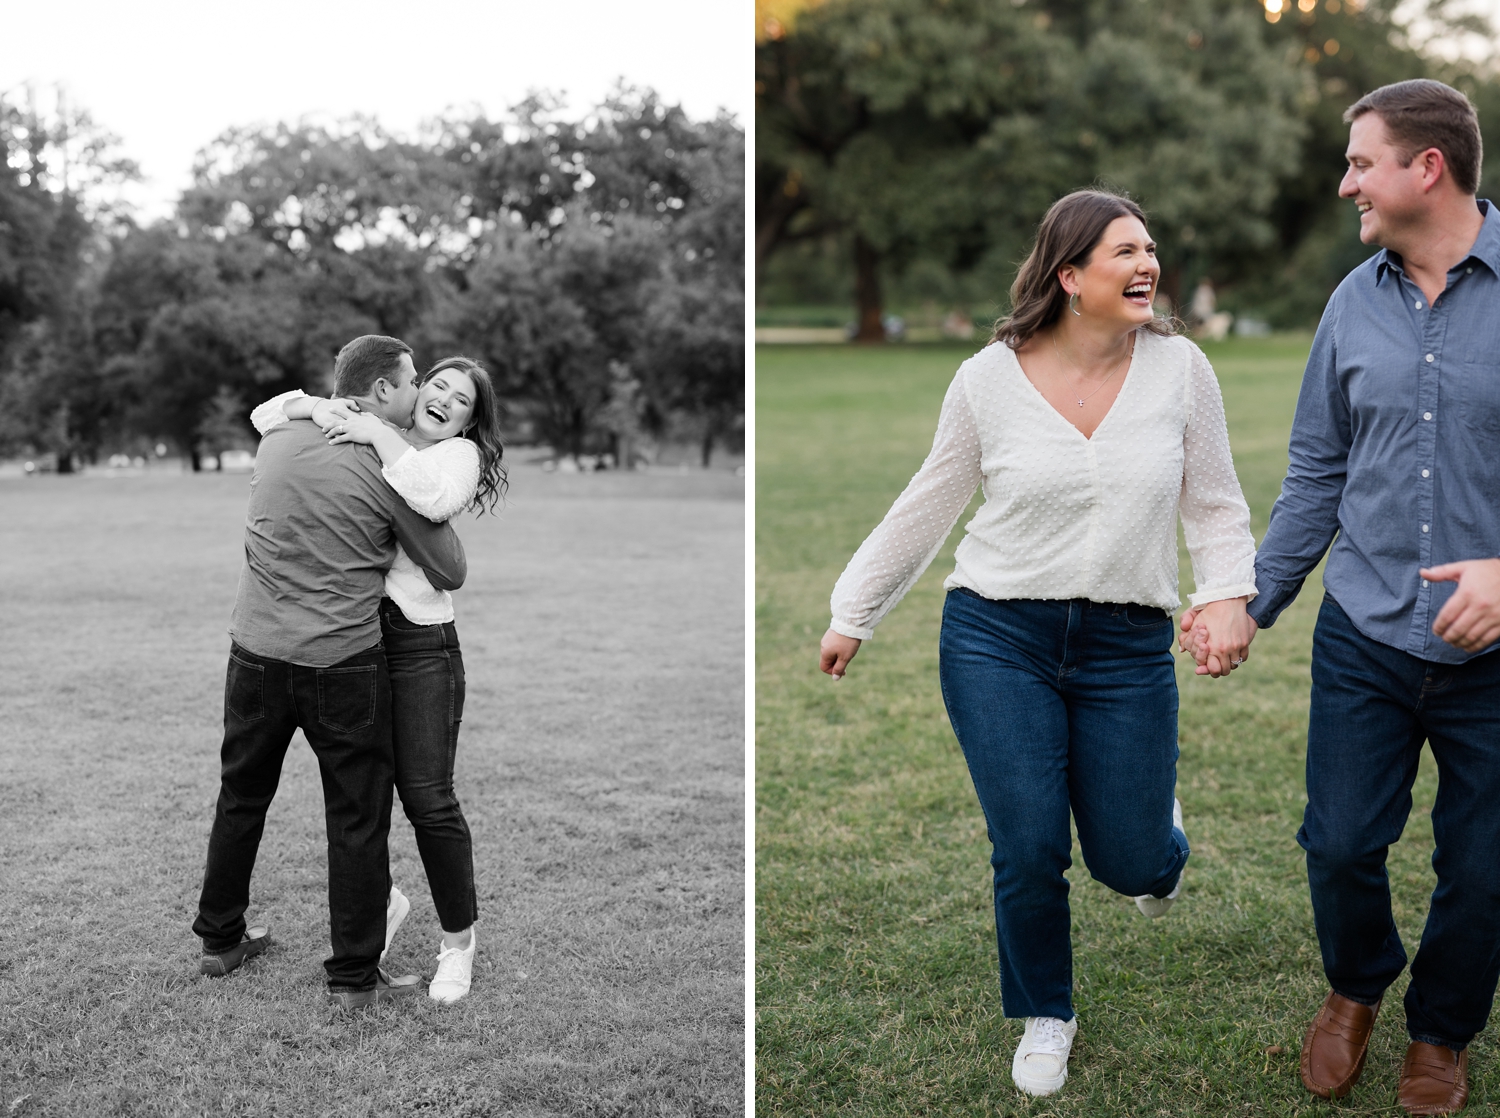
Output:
[[1454, 972], [259, 719], [1363, 743], [346, 714]]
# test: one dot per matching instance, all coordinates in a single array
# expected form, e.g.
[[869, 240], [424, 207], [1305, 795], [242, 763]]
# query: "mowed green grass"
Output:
[[601, 767], [877, 989]]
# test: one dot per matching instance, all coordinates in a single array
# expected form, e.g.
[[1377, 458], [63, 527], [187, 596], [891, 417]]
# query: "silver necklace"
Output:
[[1118, 365]]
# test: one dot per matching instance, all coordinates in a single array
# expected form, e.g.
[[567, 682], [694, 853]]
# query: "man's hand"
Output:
[[1471, 619], [836, 652], [1218, 636]]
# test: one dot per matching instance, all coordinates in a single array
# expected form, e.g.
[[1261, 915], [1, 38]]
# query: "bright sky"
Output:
[[167, 76]]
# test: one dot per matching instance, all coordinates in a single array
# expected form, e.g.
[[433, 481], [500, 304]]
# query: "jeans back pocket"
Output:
[[346, 698], [245, 690]]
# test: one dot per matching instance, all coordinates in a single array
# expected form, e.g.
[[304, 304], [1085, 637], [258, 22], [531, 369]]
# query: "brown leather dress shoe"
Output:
[[1434, 1079], [1333, 1051]]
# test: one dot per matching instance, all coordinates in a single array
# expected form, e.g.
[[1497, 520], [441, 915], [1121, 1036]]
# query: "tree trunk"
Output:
[[867, 297], [708, 445], [65, 461], [195, 461], [773, 218]]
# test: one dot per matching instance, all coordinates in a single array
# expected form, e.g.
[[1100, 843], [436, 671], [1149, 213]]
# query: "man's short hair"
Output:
[[364, 361], [1421, 114]]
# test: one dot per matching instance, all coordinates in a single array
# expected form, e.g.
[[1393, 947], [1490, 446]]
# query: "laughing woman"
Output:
[[448, 460], [1090, 426]]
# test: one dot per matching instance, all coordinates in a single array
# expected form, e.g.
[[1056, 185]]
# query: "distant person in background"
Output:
[[1394, 461], [321, 532], [441, 459], [1091, 427]]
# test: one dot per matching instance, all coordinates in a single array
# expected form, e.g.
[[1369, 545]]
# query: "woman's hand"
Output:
[[330, 413], [356, 427], [837, 650], [1218, 636]]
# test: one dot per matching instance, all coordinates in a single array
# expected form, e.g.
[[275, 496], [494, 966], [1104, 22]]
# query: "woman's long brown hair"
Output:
[[1068, 234], [483, 429]]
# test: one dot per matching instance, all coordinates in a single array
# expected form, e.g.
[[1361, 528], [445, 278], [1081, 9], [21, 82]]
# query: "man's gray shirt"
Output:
[[320, 534], [1395, 447]]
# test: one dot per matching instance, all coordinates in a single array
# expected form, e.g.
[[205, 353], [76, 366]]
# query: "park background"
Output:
[[558, 192], [590, 253], [905, 150]]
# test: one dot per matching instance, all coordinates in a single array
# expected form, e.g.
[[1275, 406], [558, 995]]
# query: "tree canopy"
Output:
[[937, 132], [547, 245]]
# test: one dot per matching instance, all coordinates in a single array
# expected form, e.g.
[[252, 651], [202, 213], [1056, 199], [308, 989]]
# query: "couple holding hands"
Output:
[[343, 627], [1090, 427]]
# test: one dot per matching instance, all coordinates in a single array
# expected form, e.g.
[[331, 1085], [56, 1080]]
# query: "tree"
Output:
[[1339, 52], [539, 240], [549, 316], [56, 170], [913, 128]]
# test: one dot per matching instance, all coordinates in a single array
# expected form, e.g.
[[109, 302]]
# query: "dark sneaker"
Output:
[[216, 964], [385, 990]]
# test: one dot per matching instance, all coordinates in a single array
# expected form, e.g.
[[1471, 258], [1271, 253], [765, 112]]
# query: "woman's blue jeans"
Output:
[[427, 706], [1059, 705], [1372, 708]]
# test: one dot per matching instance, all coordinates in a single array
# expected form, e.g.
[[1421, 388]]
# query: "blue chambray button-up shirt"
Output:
[[1395, 447]]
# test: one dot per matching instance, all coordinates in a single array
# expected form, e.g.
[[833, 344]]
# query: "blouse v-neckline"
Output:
[[1051, 407]]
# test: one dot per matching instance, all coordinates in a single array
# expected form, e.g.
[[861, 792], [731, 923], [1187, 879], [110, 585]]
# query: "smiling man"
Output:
[[1395, 450]]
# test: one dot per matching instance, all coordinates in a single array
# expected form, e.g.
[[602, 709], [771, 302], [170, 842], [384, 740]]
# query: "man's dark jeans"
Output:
[[1372, 708], [345, 713], [1063, 705], [427, 704]]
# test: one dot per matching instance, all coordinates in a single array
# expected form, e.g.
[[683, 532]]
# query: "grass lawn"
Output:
[[877, 988], [601, 768]]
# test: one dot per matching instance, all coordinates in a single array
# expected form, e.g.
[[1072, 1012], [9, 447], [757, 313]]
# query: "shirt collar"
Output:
[[1486, 248]]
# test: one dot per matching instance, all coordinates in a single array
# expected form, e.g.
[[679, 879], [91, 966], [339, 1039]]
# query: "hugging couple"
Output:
[[343, 628]]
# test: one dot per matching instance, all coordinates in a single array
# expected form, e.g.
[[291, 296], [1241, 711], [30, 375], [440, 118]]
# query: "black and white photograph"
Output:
[[373, 447]]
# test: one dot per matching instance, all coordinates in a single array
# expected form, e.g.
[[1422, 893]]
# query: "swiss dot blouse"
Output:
[[1066, 516]]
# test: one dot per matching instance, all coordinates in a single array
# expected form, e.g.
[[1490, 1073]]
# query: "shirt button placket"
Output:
[[1429, 398]]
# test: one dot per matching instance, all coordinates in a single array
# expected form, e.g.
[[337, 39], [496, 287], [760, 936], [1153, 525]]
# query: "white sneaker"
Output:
[[1151, 906], [396, 908], [1040, 1066], [454, 972]]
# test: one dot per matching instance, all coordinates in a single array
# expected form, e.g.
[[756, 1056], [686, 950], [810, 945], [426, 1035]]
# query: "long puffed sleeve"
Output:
[[1215, 518], [902, 546], [269, 414], [438, 482]]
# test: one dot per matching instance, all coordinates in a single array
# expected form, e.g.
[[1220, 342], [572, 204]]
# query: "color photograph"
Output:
[[1164, 785]]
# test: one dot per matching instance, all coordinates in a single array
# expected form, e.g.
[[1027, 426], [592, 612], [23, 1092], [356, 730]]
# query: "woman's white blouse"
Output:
[[438, 481], [1066, 516]]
